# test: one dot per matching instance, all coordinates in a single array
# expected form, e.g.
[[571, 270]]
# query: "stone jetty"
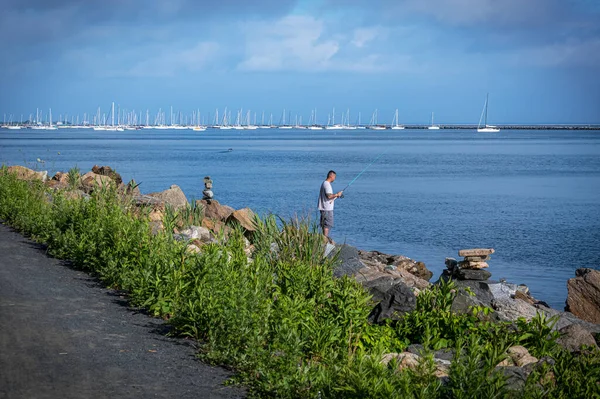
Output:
[[393, 280]]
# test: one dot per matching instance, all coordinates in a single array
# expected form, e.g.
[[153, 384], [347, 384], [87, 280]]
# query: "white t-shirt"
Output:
[[325, 204]]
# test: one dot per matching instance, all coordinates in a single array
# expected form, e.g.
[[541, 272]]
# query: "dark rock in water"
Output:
[[574, 336], [515, 377], [397, 300], [472, 274], [349, 262], [583, 299]]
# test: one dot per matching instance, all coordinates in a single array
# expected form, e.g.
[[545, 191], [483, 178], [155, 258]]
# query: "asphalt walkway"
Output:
[[62, 335]]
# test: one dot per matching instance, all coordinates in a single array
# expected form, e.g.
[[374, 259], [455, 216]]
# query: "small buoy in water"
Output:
[[59, 153]]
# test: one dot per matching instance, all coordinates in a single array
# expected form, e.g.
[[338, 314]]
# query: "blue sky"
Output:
[[538, 59]]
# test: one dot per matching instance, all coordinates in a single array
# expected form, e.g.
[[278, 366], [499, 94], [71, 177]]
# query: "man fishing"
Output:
[[326, 200]]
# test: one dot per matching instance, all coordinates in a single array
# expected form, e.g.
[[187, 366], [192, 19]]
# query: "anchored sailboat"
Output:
[[395, 125], [484, 113], [433, 127]]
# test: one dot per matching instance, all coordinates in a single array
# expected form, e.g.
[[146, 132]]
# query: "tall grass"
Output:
[[281, 320]]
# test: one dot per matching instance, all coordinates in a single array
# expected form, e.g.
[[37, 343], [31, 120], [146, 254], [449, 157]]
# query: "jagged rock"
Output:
[[214, 210], [146, 200], [191, 248], [466, 264], [515, 377], [523, 297], [75, 194], [61, 177], [395, 301], [523, 289], [520, 355], [509, 309], [502, 290], [410, 360], [195, 232], [92, 181], [173, 196], [132, 188], [380, 260], [476, 252], [463, 302], [349, 263], [451, 264], [156, 215], [156, 227], [107, 171], [59, 181], [245, 218], [479, 288], [574, 336], [403, 360], [583, 299], [470, 274], [24, 173]]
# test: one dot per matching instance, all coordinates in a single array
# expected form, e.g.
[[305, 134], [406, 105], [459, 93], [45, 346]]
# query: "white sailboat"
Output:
[[333, 125], [50, 125], [484, 113], [395, 125], [433, 127], [373, 124]]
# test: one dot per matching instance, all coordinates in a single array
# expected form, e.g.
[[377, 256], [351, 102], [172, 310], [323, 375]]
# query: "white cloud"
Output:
[[362, 36], [293, 42], [302, 43]]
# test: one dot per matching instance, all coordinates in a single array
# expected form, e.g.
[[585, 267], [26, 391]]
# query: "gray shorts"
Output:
[[327, 219]]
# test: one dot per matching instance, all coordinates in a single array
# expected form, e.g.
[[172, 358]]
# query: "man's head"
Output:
[[331, 176]]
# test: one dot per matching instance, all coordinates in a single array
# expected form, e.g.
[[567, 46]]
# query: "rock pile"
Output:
[[472, 265], [207, 194]]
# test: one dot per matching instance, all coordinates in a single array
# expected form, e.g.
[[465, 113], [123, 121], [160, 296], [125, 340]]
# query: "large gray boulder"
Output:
[[574, 336], [394, 301], [583, 299], [173, 196], [392, 289], [349, 263]]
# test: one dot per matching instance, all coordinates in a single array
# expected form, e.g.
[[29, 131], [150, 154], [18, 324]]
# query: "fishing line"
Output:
[[363, 171]]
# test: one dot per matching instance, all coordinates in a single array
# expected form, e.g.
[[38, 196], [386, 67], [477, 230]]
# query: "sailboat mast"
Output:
[[487, 97]]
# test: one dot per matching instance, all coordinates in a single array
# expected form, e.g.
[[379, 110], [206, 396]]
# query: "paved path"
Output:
[[64, 336]]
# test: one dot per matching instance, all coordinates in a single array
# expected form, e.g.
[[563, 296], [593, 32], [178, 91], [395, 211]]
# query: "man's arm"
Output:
[[334, 196]]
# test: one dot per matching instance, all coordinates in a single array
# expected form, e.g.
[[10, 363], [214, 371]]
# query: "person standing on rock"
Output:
[[326, 200]]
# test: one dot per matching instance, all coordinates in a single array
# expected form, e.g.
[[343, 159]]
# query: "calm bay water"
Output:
[[534, 196]]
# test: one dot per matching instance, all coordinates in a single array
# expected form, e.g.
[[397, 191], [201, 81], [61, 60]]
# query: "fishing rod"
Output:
[[363, 171]]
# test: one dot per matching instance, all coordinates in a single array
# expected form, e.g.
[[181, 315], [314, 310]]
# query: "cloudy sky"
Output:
[[538, 59]]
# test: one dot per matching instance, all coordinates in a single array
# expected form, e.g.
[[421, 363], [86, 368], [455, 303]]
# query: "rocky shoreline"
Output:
[[394, 281]]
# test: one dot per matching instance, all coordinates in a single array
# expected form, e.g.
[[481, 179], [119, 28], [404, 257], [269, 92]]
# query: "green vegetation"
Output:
[[281, 320]]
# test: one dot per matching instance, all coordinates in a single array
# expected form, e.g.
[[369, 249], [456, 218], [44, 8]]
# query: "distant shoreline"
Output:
[[324, 127]]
